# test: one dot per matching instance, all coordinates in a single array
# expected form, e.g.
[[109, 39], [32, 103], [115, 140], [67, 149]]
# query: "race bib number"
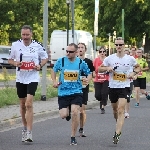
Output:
[[71, 75], [101, 77], [27, 66], [119, 77]]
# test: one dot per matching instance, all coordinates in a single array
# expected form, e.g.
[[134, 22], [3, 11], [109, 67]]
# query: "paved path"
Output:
[[10, 115]]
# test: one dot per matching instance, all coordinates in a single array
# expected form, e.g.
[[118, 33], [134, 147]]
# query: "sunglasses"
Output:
[[69, 51], [139, 52], [102, 51], [119, 44]]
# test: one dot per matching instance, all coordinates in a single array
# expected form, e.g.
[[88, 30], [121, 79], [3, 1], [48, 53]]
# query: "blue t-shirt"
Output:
[[70, 73]]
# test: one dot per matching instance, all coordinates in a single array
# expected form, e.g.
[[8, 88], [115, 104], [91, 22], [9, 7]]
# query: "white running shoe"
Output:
[[29, 137], [126, 115], [24, 134]]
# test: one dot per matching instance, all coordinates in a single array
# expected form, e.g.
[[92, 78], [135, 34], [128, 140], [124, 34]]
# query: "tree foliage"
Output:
[[16, 13]]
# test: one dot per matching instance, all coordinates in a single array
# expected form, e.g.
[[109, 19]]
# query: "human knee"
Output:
[[120, 110], [62, 115], [28, 105]]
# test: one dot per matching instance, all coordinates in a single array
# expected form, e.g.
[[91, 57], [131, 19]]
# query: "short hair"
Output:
[[102, 47], [27, 27], [75, 46], [141, 49], [133, 47], [83, 45]]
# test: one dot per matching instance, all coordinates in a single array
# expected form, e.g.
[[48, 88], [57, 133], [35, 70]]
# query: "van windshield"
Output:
[[4, 50]]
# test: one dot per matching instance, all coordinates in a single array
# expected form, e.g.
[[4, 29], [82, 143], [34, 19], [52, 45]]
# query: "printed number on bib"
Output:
[[119, 77], [101, 77], [71, 75], [27, 66]]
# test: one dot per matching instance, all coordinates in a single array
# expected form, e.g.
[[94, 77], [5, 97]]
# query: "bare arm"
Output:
[[103, 68], [53, 77], [14, 63]]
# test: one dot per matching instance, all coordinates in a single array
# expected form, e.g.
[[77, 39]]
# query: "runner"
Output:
[[140, 82], [85, 89], [25, 54], [118, 66], [101, 81], [70, 86], [129, 89]]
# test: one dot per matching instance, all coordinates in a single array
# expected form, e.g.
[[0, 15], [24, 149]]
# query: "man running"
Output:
[[85, 89], [70, 86], [140, 82], [25, 54], [118, 66]]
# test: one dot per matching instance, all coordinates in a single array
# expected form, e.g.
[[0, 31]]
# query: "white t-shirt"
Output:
[[31, 56], [122, 68]]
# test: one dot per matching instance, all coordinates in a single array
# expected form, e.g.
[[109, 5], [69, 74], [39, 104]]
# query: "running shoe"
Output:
[[116, 138], [148, 97], [81, 132], [69, 117], [24, 133], [136, 105], [73, 141], [126, 115], [131, 96], [102, 111], [29, 137]]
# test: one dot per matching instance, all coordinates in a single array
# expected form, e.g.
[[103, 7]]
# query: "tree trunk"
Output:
[[147, 45]]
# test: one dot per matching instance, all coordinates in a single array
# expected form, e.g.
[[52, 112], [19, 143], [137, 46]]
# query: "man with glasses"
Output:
[[70, 86], [140, 82], [85, 88], [118, 65]]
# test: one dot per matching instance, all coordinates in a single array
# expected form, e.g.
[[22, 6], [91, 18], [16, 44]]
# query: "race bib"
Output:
[[101, 77], [71, 75], [27, 66], [119, 77]]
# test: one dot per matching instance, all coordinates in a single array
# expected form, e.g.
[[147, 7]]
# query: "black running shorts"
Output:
[[24, 89], [116, 93], [65, 101], [140, 82]]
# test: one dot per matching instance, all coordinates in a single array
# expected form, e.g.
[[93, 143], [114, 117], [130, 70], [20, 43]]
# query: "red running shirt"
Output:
[[100, 77]]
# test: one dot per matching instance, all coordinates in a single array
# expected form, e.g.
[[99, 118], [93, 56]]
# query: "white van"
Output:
[[58, 43], [4, 55]]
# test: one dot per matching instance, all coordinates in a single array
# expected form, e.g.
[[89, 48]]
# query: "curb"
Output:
[[41, 115]]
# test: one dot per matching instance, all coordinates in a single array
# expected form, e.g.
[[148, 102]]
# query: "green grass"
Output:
[[9, 96]]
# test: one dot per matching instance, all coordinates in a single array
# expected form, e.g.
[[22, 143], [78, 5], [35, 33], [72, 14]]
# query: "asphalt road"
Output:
[[54, 133]]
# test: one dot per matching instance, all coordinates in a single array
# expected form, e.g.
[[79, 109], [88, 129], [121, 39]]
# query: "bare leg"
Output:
[[137, 92], [75, 119], [29, 111], [82, 116], [120, 121], [115, 110], [23, 111], [127, 107]]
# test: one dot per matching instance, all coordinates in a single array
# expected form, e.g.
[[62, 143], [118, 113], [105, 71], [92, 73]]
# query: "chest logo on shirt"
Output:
[[32, 50]]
